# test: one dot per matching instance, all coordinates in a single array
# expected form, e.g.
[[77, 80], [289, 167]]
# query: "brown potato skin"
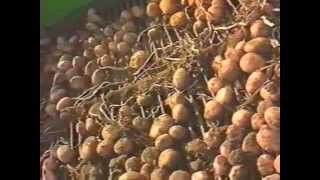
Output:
[[180, 113], [169, 158], [272, 116], [242, 118], [181, 79], [251, 62], [178, 19], [277, 164], [269, 139], [259, 45], [213, 111], [214, 85], [259, 29], [169, 6], [255, 81], [153, 9], [228, 70], [265, 164], [221, 165], [132, 175], [180, 175], [257, 121], [161, 125]]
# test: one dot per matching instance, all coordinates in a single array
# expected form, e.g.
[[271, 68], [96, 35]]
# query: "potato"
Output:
[[130, 38], [126, 15], [169, 6], [169, 158], [81, 128], [259, 29], [180, 114], [100, 50], [196, 146], [233, 54], [272, 116], [250, 145], [178, 132], [159, 174], [50, 109], [123, 48], [237, 156], [50, 164], [271, 92], [200, 175], [129, 27], [133, 164], [255, 81], [161, 125], [153, 9], [263, 105], [163, 142], [251, 62], [144, 100], [138, 59], [213, 110], [117, 37], [269, 139], [72, 72], [141, 123], [178, 20], [276, 164], [228, 70], [228, 146], [257, 121], [272, 177], [90, 68], [221, 165], [98, 77], [88, 149], [213, 138], [138, 11], [225, 95], [123, 146], [181, 79], [180, 175], [196, 165], [65, 154], [265, 164], [132, 175], [113, 46], [214, 85], [64, 102], [239, 172], [150, 155], [64, 65], [259, 45], [79, 62], [59, 78], [79, 82], [217, 11], [176, 98], [105, 148], [92, 126], [242, 118], [105, 60], [235, 132], [146, 170]]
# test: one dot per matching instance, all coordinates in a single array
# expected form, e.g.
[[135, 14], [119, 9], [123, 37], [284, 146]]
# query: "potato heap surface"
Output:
[[170, 90]]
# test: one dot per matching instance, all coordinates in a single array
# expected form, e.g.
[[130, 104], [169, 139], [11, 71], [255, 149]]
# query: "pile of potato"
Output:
[[172, 90]]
